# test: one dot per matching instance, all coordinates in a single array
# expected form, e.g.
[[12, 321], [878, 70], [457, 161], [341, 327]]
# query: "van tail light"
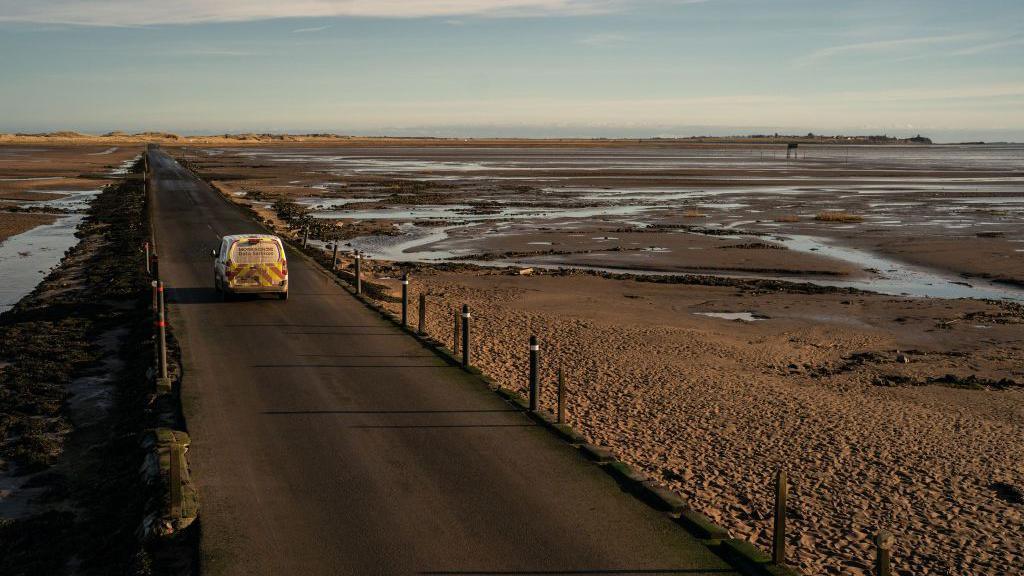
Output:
[[284, 268]]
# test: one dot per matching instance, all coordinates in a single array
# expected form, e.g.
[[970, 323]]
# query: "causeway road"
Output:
[[326, 441]]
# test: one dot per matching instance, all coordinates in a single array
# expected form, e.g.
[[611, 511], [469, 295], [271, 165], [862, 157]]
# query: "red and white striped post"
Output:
[[162, 326]]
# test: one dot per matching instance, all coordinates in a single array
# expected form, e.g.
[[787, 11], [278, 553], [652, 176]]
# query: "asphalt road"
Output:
[[325, 441]]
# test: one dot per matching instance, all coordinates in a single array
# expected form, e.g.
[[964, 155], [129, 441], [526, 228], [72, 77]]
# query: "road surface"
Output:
[[326, 441]]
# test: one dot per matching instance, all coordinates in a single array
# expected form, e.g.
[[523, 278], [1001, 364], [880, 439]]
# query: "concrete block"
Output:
[[701, 526], [624, 473], [568, 434], [164, 386], [506, 393], [597, 453], [749, 559], [545, 419], [776, 570], [660, 498]]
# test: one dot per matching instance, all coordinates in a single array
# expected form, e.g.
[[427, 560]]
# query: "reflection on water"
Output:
[[893, 277], [744, 316], [26, 258], [888, 276], [66, 201], [409, 247]]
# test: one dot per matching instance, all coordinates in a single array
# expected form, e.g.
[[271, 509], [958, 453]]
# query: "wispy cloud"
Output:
[[980, 48], [153, 12], [894, 46], [309, 30]]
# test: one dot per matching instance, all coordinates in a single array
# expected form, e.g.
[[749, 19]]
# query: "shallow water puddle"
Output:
[[743, 316], [409, 247], [69, 200], [898, 278], [330, 203], [26, 258]]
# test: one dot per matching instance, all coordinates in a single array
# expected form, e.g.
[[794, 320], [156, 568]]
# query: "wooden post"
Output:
[[334, 259], [465, 335], [305, 235], [422, 328], [779, 532], [561, 397], [405, 299], [455, 331], [359, 274], [883, 548]]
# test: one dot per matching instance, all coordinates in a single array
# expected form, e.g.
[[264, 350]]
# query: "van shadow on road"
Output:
[[193, 295]]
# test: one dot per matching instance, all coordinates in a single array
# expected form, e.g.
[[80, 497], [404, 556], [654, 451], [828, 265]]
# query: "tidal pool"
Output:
[[28, 257]]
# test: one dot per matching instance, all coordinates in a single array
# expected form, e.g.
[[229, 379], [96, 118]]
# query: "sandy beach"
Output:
[[712, 407]]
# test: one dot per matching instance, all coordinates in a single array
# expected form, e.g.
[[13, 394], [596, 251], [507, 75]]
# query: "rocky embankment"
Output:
[[75, 367]]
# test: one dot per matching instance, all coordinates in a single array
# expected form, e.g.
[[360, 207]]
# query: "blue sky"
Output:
[[947, 68]]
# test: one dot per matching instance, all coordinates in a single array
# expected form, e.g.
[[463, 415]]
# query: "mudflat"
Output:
[[719, 312], [13, 223], [853, 211], [47, 185]]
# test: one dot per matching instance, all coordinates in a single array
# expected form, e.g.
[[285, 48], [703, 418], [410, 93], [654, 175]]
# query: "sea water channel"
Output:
[[28, 257]]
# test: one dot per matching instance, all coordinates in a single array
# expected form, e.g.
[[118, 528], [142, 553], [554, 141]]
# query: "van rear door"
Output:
[[256, 262]]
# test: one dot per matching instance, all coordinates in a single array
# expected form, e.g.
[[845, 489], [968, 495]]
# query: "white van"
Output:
[[250, 264]]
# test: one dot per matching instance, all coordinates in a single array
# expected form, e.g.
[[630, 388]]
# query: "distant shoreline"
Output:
[[119, 138]]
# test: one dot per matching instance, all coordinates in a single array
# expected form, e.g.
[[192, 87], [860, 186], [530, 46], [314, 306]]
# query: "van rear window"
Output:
[[263, 251]]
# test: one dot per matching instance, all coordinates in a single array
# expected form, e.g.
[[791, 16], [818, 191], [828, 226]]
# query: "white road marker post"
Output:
[[405, 299], [534, 380], [465, 336], [359, 274]]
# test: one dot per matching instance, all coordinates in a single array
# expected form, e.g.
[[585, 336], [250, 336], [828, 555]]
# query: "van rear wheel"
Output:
[[283, 295]]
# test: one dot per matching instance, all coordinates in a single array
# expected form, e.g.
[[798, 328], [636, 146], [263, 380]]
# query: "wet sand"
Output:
[[954, 210], [887, 410], [12, 224], [44, 190]]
